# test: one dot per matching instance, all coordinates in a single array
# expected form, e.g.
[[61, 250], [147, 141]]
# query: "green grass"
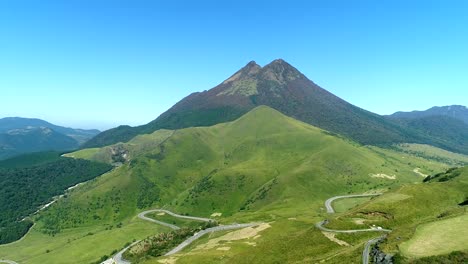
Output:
[[416, 213], [434, 153], [262, 167], [437, 238], [174, 220], [343, 205], [77, 245], [83, 154]]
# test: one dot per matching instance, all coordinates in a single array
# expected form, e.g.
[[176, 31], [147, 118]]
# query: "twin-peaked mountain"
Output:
[[282, 87], [278, 85]]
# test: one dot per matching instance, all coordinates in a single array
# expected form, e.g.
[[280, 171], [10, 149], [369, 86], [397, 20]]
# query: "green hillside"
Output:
[[264, 167], [427, 219]]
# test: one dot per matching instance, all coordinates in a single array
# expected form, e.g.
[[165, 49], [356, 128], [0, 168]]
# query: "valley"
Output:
[[263, 167]]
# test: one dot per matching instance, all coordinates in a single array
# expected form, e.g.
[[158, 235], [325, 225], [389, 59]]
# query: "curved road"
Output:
[[365, 253], [206, 231], [118, 259], [328, 202], [330, 210], [320, 225]]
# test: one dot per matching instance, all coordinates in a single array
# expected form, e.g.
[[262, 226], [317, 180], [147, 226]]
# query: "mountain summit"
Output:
[[278, 85]]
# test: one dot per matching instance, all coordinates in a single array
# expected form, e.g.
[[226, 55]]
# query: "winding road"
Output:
[[330, 210], [329, 201], [118, 259]]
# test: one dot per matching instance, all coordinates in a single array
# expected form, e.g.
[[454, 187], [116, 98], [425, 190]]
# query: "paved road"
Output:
[[118, 259], [320, 225], [206, 231], [365, 253], [328, 202], [7, 261]]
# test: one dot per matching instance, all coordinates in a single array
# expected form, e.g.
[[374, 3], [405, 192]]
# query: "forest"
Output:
[[23, 190]]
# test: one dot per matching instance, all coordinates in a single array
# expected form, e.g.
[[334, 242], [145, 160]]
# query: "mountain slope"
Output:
[[443, 131], [442, 196], [264, 166], [23, 135], [278, 85], [456, 111], [81, 135]]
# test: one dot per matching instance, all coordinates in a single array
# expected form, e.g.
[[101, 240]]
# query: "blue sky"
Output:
[[98, 64]]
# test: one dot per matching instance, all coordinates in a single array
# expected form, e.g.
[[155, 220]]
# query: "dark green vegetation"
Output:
[[444, 176], [31, 159], [158, 245], [459, 112], [440, 131], [23, 135], [284, 88], [31, 181]]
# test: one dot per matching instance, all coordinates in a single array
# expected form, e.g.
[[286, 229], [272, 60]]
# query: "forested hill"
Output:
[[23, 190]]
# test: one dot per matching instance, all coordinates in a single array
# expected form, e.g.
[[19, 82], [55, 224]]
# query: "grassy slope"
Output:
[[406, 208], [271, 166], [434, 153], [437, 238]]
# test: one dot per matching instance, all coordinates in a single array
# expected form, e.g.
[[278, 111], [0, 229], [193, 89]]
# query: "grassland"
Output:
[[174, 220], [433, 153], [423, 217], [76, 245], [343, 205], [262, 167], [438, 238]]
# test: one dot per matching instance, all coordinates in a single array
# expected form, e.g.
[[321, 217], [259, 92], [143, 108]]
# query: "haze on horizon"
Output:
[[99, 64]]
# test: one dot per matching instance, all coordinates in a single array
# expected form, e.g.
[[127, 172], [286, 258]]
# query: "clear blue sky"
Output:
[[98, 63]]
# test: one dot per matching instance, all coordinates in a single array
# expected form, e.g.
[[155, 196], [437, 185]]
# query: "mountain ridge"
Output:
[[24, 135], [278, 85], [459, 112]]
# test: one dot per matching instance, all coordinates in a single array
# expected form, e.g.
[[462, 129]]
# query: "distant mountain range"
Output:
[[459, 112], [282, 87], [25, 135]]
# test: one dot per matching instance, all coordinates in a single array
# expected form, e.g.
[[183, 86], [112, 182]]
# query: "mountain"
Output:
[[24, 135], [445, 127], [278, 85], [262, 167], [459, 112]]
